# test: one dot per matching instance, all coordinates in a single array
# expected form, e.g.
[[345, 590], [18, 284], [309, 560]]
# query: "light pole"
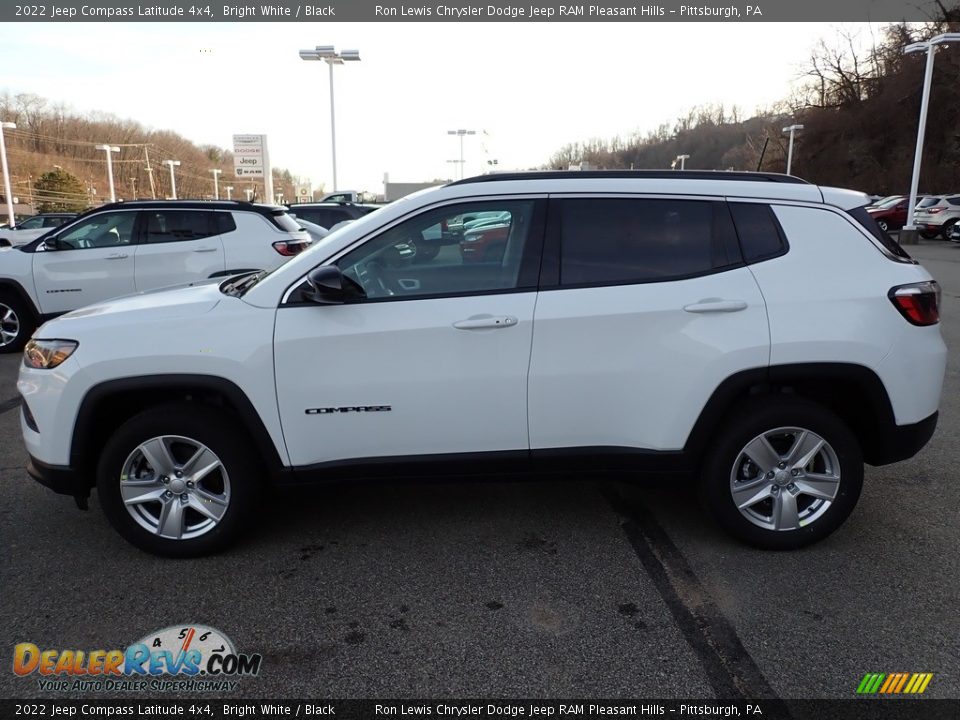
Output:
[[110, 149], [683, 161], [331, 57], [461, 133], [173, 180], [249, 192], [133, 184], [6, 172], [229, 192], [216, 186], [793, 129], [930, 47]]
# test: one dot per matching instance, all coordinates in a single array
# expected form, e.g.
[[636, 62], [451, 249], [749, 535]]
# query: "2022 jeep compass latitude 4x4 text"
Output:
[[753, 331]]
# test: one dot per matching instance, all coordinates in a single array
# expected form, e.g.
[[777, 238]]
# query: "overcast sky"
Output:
[[533, 87]]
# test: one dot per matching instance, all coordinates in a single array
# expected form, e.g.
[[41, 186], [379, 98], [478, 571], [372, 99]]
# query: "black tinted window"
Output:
[[759, 231], [869, 224], [177, 225], [225, 222], [325, 217], [623, 240]]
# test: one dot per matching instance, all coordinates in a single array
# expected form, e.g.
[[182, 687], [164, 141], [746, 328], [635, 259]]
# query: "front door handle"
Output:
[[117, 256], [206, 249], [716, 305], [479, 322]]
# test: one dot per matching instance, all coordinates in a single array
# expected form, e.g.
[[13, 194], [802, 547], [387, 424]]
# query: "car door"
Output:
[[432, 361], [91, 260], [646, 308], [176, 247]]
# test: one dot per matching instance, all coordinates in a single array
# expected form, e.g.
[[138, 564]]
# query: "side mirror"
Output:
[[51, 244], [326, 285]]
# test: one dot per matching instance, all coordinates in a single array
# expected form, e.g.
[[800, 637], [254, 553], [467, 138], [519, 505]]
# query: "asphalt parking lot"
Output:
[[500, 589]]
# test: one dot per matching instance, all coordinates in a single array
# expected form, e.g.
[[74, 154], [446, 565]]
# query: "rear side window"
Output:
[[954, 200], [164, 226], [761, 236], [928, 202], [620, 240], [325, 217], [867, 221], [224, 222]]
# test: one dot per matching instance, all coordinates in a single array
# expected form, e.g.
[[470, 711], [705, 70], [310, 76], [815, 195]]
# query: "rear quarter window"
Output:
[[868, 223], [761, 236]]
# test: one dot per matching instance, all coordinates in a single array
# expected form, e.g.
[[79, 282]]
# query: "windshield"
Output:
[[888, 203]]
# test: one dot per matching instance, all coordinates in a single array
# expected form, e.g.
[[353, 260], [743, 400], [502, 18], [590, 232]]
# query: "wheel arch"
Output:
[[853, 392], [12, 286], [107, 405]]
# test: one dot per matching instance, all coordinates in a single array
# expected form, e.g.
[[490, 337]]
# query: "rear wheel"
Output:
[[178, 480], [947, 227], [16, 323], [783, 474]]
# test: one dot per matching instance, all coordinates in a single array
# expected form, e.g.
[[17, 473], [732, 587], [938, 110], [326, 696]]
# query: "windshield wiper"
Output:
[[239, 285]]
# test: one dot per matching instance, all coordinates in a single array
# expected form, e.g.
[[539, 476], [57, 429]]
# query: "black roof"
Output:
[[193, 205], [640, 174]]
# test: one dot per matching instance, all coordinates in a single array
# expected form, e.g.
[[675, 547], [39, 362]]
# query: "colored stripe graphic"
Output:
[[894, 683]]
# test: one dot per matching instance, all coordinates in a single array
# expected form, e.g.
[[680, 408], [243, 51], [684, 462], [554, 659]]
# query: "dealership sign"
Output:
[[250, 159]]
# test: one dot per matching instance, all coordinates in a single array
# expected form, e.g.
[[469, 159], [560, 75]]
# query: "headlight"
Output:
[[47, 354]]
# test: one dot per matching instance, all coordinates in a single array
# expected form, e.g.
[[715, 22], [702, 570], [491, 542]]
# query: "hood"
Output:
[[172, 302]]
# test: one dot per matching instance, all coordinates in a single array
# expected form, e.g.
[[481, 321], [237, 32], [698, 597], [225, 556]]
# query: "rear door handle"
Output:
[[714, 305], [117, 256], [480, 322], [206, 249]]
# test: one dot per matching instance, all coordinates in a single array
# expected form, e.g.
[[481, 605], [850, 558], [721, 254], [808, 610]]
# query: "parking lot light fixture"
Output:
[[683, 161], [216, 185], [792, 130], [329, 55], [229, 192], [929, 47], [110, 149], [462, 134], [7, 192], [173, 180]]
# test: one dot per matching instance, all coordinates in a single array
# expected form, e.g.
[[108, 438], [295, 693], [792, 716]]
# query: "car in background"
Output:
[[33, 227], [316, 232], [126, 248], [936, 215], [891, 214], [954, 235], [328, 214]]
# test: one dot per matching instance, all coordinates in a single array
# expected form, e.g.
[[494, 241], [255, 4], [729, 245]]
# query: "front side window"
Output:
[[163, 226], [626, 240], [103, 230], [425, 257], [31, 223], [52, 222]]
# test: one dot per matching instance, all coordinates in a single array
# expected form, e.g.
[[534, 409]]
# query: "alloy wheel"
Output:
[[175, 487], [785, 479], [9, 325]]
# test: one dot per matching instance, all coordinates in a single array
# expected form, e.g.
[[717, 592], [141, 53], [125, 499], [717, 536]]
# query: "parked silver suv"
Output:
[[936, 215]]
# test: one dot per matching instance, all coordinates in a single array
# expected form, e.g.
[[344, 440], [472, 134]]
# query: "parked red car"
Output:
[[892, 214], [484, 244]]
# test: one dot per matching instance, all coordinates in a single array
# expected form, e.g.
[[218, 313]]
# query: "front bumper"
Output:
[[59, 478]]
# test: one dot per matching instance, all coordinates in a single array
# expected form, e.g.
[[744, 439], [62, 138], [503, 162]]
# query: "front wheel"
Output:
[[178, 480], [16, 323], [783, 474]]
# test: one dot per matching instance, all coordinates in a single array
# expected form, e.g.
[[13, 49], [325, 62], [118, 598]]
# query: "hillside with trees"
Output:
[[54, 163], [859, 111]]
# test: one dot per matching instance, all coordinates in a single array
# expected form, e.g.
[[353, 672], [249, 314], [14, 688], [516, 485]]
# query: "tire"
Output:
[[16, 323], [947, 227], [927, 235], [780, 420], [172, 434], [883, 225]]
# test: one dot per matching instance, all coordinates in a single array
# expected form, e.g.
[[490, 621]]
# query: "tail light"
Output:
[[919, 303], [934, 211], [289, 248]]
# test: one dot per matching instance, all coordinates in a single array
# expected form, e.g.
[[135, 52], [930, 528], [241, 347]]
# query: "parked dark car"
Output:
[[328, 214]]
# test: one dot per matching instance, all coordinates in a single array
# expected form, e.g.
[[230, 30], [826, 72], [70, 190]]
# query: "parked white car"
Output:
[[751, 330], [32, 228], [124, 248]]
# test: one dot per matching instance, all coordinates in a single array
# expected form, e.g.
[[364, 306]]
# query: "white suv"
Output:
[[130, 247], [753, 330]]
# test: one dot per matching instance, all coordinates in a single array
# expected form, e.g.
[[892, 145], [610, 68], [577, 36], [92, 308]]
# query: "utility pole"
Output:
[[153, 188]]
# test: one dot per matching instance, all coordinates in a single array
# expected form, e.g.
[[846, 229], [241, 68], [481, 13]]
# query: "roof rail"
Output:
[[638, 174]]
